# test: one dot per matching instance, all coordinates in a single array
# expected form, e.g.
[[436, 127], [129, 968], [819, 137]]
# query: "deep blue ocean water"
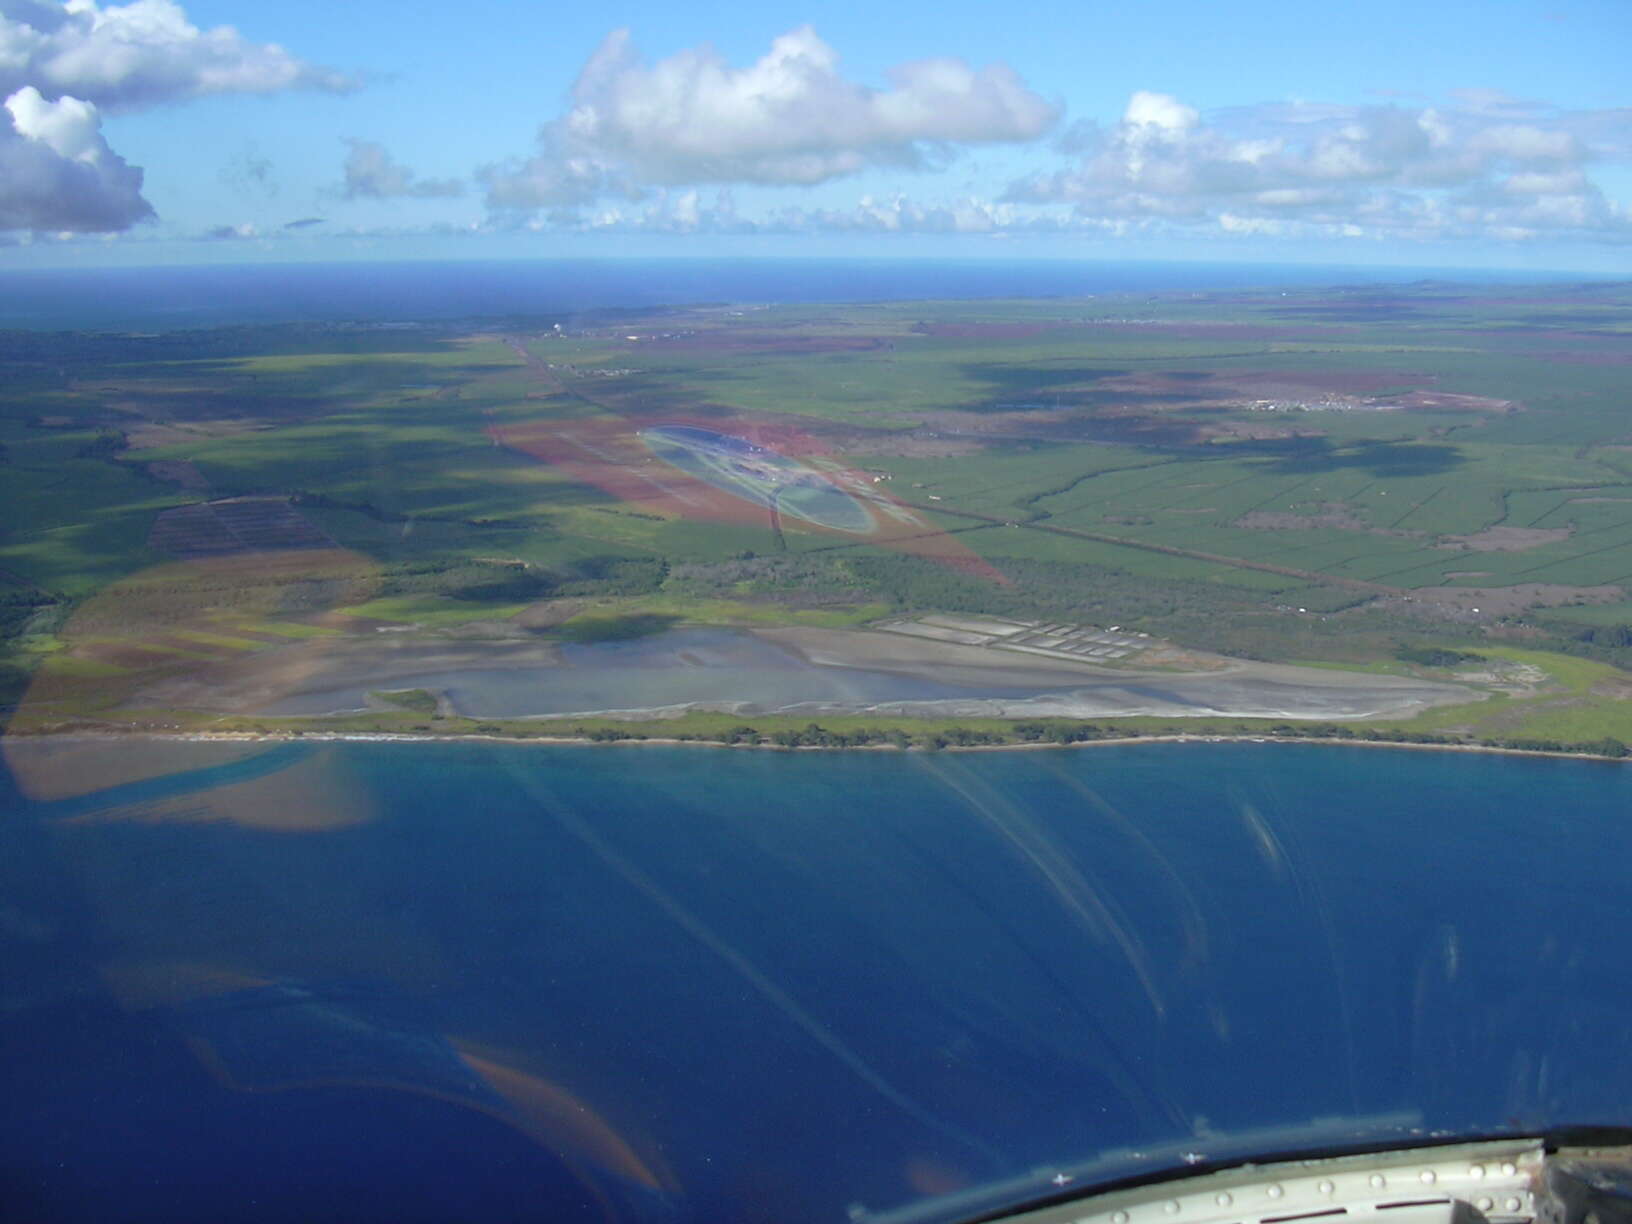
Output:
[[477, 981], [157, 299]]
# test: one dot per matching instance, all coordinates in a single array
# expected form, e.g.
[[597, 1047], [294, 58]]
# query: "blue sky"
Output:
[[1474, 133]]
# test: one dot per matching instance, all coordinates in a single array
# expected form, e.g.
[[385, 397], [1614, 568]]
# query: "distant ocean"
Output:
[[723, 986], [213, 296]]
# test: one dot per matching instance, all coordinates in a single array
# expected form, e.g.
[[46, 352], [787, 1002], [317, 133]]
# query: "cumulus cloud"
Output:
[[790, 118], [372, 174], [57, 172], [65, 64], [690, 211], [900, 214], [129, 56], [1486, 166]]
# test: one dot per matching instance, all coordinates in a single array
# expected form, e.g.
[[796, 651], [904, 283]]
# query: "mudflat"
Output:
[[1229, 687], [333, 674]]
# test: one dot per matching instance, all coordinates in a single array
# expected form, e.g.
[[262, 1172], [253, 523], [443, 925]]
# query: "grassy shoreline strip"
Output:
[[839, 733]]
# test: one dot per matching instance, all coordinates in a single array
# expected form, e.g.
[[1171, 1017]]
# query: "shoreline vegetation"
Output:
[[816, 737]]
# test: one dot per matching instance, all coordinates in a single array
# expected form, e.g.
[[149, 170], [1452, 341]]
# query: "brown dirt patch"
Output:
[[235, 525], [123, 654], [1618, 687], [1253, 431], [549, 613], [150, 435], [1337, 516], [178, 471], [1506, 539]]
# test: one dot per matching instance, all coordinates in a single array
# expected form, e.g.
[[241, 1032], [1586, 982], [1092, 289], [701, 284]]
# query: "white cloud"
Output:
[[372, 173], [790, 118], [124, 57], [57, 173], [901, 215], [687, 211], [1526, 143], [1153, 110], [64, 64], [1487, 166], [70, 127]]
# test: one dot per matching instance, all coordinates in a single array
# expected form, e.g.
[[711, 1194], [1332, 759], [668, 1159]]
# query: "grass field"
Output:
[[1311, 475]]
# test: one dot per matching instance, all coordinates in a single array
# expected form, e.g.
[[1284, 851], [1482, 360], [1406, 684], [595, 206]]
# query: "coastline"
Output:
[[568, 741]]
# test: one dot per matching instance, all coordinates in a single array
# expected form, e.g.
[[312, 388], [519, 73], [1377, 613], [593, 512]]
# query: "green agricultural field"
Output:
[[1310, 475]]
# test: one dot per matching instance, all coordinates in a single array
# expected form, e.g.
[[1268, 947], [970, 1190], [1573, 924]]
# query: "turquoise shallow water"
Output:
[[384, 981]]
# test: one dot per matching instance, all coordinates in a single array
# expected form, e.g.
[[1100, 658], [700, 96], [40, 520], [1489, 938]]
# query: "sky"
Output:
[[1461, 133]]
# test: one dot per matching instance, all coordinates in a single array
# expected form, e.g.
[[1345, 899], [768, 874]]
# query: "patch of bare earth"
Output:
[[1253, 431], [1337, 516], [150, 435], [123, 654], [235, 525], [1618, 687], [549, 613], [178, 471], [1505, 539]]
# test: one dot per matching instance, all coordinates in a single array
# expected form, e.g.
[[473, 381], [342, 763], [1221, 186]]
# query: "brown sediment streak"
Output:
[[610, 454], [561, 1122]]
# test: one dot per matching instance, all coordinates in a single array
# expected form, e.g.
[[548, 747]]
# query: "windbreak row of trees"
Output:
[[1063, 732]]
